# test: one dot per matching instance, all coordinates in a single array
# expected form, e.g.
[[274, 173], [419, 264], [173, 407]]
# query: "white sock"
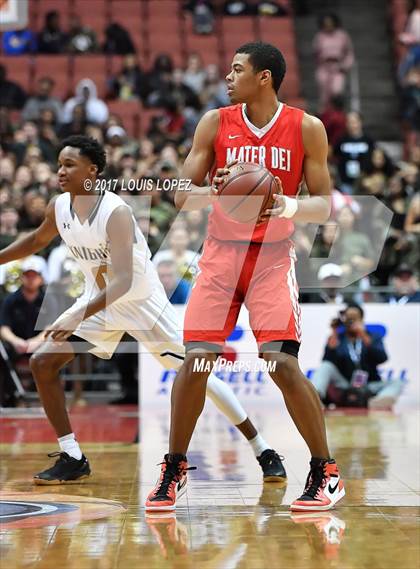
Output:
[[69, 445], [258, 445]]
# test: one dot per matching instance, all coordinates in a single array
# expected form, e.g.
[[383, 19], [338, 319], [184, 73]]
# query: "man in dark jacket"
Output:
[[351, 357]]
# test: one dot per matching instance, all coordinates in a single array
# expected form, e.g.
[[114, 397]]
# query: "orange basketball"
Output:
[[247, 192]]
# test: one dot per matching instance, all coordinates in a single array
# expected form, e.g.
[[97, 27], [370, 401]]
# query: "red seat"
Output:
[[206, 46], [130, 9], [19, 70], [58, 68], [146, 118], [278, 31], [163, 8], [236, 32], [166, 43], [290, 87], [93, 14], [45, 6], [94, 67], [134, 26], [129, 112], [164, 26]]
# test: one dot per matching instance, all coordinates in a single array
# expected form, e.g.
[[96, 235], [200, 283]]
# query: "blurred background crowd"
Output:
[[81, 68]]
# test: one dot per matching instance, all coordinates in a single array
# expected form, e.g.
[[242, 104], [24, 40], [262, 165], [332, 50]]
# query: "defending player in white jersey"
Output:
[[122, 294]]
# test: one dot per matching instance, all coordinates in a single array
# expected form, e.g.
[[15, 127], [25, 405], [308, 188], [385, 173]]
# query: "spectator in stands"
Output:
[[21, 317], [352, 151], [19, 42], [32, 147], [42, 100], [118, 40], [130, 82], [334, 119], [182, 93], [406, 286], [410, 104], [33, 212], [23, 179], [194, 74], [411, 38], [161, 212], [380, 164], [52, 39], [214, 93], [86, 95], [81, 39], [412, 229], [203, 16], [324, 240], [177, 290], [7, 169], [271, 8], [333, 50], [185, 259], [196, 222], [8, 224], [159, 79], [351, 357], [78, 124], [338, 199], [330, 283], [397, 200], [12, 95], [237, 8], [354, 247]]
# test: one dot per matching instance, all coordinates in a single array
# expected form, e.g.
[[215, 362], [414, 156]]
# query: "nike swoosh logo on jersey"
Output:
[[333, 489], [233, 136]]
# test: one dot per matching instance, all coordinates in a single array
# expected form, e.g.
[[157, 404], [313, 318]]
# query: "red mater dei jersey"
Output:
[[278, 146]]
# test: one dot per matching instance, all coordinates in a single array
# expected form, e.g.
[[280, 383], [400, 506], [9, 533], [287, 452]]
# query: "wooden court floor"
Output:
[[229, 518]]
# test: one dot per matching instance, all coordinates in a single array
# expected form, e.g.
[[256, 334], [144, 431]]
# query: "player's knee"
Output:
[[282, 368], [43, 365], [199, 364]]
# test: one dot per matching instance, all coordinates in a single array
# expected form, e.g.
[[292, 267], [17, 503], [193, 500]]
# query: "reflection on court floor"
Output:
[[229, 519]]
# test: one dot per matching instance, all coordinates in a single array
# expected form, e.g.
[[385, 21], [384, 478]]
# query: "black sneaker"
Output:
[[66, 470], [272, 466]]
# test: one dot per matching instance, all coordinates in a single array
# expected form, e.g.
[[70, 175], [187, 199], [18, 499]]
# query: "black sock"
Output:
[[175, 457], [316, 461]]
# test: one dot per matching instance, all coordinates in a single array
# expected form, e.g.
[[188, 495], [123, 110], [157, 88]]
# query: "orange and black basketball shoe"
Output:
[[323, 489], [172, 483]]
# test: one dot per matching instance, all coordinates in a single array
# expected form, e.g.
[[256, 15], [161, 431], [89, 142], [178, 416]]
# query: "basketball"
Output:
[[247, 191]]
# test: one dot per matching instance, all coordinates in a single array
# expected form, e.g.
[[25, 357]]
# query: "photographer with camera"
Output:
[[348, 374]]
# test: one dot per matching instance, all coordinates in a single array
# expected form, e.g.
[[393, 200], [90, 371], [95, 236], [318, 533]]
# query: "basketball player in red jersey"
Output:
[[252, 264]]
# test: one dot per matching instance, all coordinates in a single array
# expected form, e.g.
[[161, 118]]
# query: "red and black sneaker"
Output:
[[330, 529], [172, 483], [323, 489]]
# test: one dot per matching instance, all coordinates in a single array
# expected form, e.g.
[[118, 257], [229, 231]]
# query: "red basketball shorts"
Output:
[[260, 276]]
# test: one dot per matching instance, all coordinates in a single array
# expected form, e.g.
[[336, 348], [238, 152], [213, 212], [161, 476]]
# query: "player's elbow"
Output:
[[325, 210]]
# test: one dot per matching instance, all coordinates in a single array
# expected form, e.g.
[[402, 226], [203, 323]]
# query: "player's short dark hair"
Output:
[[266, 56], [88, 147], [357, 307]]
